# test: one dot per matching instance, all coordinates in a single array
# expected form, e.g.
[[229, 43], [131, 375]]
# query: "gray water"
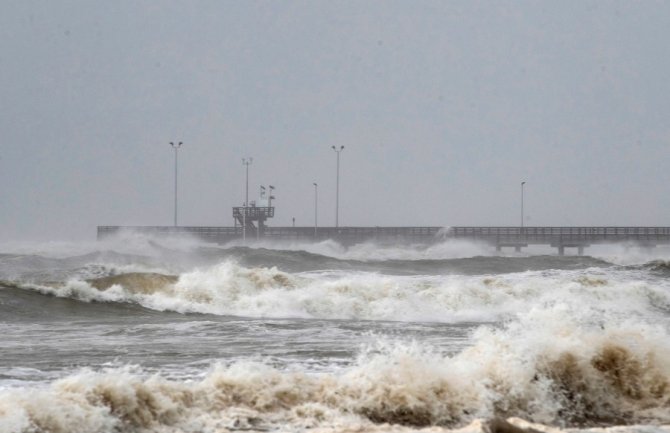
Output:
[[294, 338]]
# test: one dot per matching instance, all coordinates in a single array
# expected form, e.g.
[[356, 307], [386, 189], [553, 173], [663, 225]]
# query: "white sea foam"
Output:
[[129, 242], [549, 366], [629, 254], [622, 254], [230, 289], [126, 242], [374, 251]]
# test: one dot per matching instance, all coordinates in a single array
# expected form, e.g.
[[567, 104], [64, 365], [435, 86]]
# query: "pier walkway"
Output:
[[562, 237], [499, 237], [343, 235]]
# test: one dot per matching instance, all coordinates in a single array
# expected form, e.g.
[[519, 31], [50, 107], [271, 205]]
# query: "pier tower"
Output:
[[254, 219], [254, 215]]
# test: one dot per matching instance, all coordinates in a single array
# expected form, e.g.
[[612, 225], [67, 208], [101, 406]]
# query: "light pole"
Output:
[[176, 148], [316, 200], [258, 226], [337, 186], [522, 184], [246, 162]]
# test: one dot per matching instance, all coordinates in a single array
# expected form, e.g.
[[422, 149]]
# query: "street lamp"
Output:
[[522, 184], [337, 186], [316, 200], [176, 148], [246, 162]]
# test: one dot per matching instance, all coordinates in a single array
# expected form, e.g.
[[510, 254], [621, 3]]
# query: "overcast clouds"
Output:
[[443, 109]]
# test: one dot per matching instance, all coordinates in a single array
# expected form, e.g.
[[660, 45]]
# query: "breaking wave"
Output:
[[550, 366], [231, 289], [660, 266], [141, 248]]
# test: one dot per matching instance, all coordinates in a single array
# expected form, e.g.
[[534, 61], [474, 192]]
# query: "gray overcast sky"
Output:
[[443, 108]]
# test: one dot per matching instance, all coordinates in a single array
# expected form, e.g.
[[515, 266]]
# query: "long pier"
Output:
[[562, 237], [343, 235], [499, 237]]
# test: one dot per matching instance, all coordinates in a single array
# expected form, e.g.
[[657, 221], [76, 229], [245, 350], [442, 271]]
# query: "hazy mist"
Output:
[[443, 107]]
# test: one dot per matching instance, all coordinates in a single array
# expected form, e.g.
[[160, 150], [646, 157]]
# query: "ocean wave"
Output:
[[135, 282], [544, 368], [300, 260], [173, 257], [187, 248], [629, 254], [661, 266], [231, 289]]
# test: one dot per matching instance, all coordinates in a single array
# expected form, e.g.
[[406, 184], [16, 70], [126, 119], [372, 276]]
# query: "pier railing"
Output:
[[211, 234], [562, 235], [517, 237], [226, 234]]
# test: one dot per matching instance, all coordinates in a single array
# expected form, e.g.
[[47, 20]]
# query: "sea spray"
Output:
[[230, 289], [545, 367], [297, 341]]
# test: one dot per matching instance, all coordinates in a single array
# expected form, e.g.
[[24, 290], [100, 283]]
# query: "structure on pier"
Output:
[[253, 218]]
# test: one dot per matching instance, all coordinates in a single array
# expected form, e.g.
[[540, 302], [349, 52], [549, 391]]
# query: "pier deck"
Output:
[[562, 237], [344, 235], [499, 237]]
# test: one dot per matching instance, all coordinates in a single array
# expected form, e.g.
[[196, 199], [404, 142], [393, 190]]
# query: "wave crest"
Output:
[[574, 378], [135, 282], [231, 289], [658, 266]]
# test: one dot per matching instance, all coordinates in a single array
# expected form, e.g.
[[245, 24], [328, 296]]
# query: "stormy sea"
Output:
[[134, 334]]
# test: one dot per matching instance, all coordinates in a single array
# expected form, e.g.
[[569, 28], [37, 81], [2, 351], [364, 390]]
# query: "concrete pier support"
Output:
[[517, 249], [580, 251], [561, 250], [498, 248]]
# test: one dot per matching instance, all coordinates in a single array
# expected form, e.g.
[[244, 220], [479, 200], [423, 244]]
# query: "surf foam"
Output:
[[550, 366], [231, 289]]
